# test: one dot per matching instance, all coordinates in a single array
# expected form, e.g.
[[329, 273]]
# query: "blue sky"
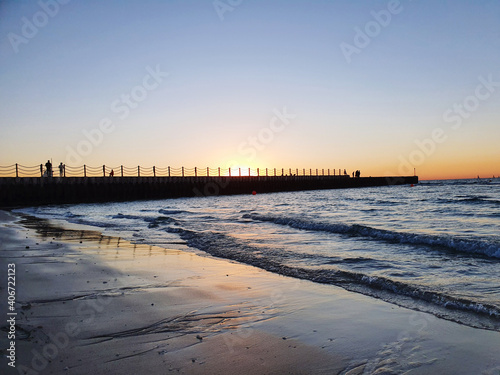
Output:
[[227, 67]]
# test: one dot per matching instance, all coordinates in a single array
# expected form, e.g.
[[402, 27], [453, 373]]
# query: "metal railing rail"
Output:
[[18, 170]]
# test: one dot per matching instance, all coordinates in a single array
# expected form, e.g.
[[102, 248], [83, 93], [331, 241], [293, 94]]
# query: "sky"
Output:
[[386, 87]]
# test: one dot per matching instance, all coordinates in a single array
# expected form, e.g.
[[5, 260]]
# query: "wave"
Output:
[[173, 212], [472, 181], [401, 293], [476, 200], [94, 223], [484, 248], [70, 215], [389, 203], [124, 216], [155, 222]]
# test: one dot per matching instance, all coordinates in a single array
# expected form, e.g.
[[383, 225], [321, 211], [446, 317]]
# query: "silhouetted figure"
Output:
[[61, 170], [112, 173], [345, 172], [48, 167], [353, 174]]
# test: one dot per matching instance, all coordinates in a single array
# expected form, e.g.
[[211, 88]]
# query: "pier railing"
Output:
[[18, 170]]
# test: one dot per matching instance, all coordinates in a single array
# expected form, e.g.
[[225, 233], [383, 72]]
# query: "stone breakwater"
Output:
[[29, 191]]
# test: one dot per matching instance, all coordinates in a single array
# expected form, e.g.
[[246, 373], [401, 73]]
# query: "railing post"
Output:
[[266, 172], [84, 170], [195, 172], [219, 171], [310, 172], [290, 171], [239, 171], [17, 172], [104, 171], [323, 171], [249, 173], [328, 171], [297, 172], [169, 171], [154, 171], [182, 171], [258, 172], [274, 172], [208, 172], [138, 171], [41, 170], [229, 171], [121, 170], [316, 171]]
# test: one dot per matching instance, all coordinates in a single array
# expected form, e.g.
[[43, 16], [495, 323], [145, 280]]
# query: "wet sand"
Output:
[[88, 303]]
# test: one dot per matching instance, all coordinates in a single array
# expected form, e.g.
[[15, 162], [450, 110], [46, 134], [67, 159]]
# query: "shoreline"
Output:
[[143, 308]]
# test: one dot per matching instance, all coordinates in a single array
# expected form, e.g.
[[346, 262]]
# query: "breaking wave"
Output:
[[273, 260], [484, 248]]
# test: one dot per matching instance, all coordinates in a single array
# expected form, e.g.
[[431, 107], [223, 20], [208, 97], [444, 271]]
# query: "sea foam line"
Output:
[[490, 249], [224, 246]]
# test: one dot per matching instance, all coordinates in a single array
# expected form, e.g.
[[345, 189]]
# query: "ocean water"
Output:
[[434, 247]]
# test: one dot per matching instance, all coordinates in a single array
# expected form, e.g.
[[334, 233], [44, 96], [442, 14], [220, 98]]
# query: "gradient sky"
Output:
[[419, 85]]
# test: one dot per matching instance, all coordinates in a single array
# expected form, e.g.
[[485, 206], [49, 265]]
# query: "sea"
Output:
[[432, 247]]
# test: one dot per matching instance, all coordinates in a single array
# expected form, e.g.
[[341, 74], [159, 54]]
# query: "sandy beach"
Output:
[[88, 303]]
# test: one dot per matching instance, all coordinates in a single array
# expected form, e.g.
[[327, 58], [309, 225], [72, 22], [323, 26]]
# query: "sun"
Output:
[[242, 170], [241, 167]]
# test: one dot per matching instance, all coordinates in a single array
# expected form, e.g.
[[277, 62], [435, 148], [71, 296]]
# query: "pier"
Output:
[[32, 191], [32, 186]]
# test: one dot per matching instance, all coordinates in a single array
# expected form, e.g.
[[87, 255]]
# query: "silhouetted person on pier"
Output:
[[112, 173], [61, 170], [48, 167]]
